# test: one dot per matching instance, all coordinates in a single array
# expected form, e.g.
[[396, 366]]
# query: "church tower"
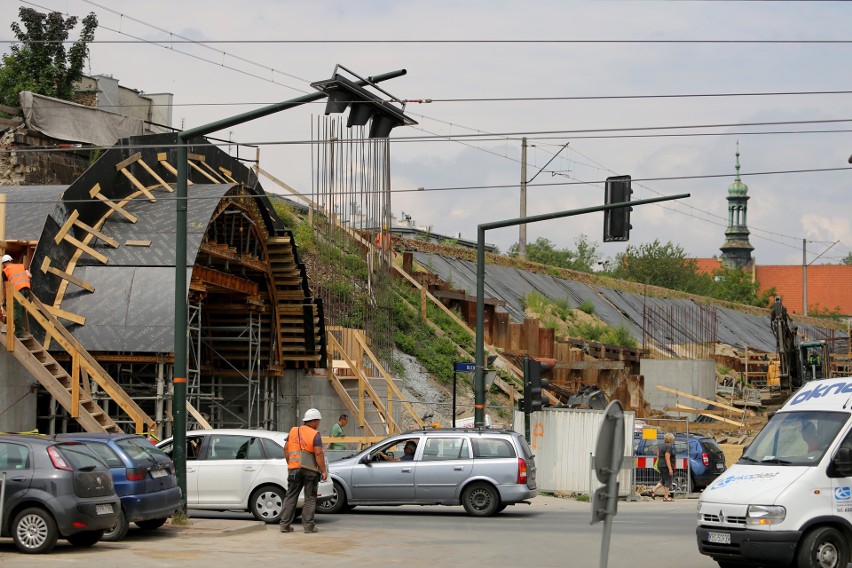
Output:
[[736, 251]]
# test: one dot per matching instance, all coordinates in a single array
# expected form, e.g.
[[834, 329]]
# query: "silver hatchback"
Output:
[[482, 470]]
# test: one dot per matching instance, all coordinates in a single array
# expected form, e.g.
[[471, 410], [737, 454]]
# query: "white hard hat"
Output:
[[6, 258], [312, 414]]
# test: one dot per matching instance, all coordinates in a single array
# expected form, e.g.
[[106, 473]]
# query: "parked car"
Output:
[[483, 470], [706, 458], [233, 469], [54, 489], [143, 476]]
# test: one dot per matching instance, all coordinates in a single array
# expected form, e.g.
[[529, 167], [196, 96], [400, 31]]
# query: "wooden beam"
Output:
[[132, 159], [198, 417], [139, 186], [47, 269], [583, 365], [197, 168], [142, 243], [72, 317], [684, 408], [95, 192], [87, 249], [91, 230], [700, 399], [156, 176]]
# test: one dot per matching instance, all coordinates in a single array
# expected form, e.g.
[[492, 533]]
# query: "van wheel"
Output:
[[119, 531], [480, 500], [267, 503], [34, 531], [85, 538], [337, 504], [823, 547]]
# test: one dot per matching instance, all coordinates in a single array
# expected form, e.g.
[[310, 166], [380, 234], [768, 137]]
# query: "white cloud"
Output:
[[784, 208]]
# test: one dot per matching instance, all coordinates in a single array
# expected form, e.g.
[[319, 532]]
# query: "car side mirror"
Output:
[[841, 464]]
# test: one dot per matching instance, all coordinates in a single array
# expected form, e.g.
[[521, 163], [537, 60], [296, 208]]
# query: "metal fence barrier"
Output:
[[645, 477]]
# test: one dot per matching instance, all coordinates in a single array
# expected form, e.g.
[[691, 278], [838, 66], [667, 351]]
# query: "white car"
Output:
[[245, 470]]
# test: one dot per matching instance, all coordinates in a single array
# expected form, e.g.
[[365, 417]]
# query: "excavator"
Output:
[[799, 361]]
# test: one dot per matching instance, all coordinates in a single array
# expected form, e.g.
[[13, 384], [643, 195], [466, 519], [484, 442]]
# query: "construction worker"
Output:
[[306, 465], [20, 278]]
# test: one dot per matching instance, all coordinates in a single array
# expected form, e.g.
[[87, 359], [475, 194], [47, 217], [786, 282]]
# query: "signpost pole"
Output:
[[455, 377]]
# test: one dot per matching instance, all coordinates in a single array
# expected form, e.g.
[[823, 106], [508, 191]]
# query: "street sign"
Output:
[[609, 453], [464, 367], [609, 449]]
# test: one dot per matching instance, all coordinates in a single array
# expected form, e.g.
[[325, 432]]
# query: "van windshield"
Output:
[[795, 438]]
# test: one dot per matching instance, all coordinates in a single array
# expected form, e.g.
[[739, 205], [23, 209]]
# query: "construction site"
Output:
[[297, 305]]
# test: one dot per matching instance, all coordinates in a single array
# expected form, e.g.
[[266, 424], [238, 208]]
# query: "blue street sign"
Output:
[[464, 367]]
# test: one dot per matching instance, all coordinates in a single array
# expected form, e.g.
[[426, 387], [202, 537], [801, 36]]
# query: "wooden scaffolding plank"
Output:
[[197, 168]]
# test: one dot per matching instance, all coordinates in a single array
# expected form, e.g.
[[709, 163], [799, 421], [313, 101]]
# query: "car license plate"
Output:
[[720, 466], [104, 509], [719, 538], [155, 473]]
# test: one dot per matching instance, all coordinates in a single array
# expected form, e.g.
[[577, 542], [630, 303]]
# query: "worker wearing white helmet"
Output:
[[306, 466], [21, 279]]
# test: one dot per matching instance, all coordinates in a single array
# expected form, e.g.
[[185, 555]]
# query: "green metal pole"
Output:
[[180, 370], [479, 377]]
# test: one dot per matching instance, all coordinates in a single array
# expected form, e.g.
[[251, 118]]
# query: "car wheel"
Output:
[[267, 503], [824, 547], [34, 531], [501, 507], [86, 538], [119, 531], [337, 503], [480, 500], [151, 524]]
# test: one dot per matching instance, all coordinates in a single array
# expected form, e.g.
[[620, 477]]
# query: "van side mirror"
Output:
[[841, 464]]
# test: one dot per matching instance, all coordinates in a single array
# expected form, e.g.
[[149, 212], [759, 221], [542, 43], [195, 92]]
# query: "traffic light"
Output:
[[343, 92], [617, 221], [533, 385]]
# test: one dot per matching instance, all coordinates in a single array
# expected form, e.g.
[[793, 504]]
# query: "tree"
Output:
[[40, 63], [736, 285], [544, 251], [847, 259], [661, 265]]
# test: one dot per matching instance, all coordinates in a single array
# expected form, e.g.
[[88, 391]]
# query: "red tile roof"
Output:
[[829, 286], [708, 265]]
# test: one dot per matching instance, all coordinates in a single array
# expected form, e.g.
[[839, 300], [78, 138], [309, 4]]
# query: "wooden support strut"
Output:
[[95, 193], [47, 269]]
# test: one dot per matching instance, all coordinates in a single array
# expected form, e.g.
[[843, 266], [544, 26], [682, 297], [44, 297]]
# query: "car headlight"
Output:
[[765, 514]]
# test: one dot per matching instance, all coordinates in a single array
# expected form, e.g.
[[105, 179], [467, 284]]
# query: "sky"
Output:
[[662, 91]]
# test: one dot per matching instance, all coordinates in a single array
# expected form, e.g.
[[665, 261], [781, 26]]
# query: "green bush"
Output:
[[587, 306]]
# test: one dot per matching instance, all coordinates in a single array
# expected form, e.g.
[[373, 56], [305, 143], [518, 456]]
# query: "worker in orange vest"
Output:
[[306, 466], [20, 278]]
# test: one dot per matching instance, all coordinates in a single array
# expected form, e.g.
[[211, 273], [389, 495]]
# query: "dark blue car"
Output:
[[143, 476], [706, 458]]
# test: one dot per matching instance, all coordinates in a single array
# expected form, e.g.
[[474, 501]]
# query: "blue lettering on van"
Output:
[[819, 391], [724, 481]]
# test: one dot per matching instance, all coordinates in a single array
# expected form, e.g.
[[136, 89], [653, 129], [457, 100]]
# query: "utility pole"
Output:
[[522, 228], [804, 277]]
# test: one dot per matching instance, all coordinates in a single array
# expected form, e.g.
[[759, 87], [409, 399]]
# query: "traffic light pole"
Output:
[[180, 337], [479, 376]]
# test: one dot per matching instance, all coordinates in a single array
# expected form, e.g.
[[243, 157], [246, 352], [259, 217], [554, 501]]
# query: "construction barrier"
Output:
[[652, 430], [645, 477]]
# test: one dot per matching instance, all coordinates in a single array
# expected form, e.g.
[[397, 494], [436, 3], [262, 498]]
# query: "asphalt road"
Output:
[[550, 532]]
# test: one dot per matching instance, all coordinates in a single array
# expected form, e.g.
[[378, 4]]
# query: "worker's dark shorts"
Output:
[[665, 477]]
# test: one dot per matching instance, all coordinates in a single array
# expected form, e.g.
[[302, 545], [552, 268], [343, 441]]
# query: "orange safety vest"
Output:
[[301, 438], [17, 275]]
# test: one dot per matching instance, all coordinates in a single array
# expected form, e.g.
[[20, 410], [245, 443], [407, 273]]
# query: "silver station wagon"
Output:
[[483, 470]]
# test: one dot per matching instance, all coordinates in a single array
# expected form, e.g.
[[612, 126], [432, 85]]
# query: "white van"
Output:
[[788, 500]]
